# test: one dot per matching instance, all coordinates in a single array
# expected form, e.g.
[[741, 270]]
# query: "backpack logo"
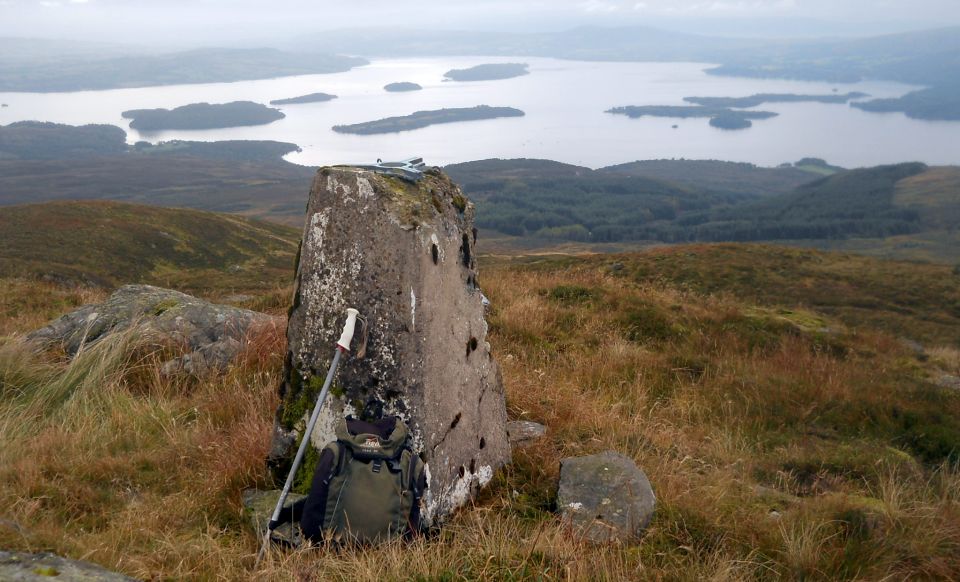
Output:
[[372, 443]]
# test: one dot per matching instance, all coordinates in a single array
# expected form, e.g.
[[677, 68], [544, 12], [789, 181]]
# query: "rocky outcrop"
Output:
[[21, 566], [258, 507], [402, 253], [605, 497], [523, 432], [212, 335]]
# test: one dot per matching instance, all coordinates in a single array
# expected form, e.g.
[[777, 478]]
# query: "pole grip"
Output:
[[344, 342]]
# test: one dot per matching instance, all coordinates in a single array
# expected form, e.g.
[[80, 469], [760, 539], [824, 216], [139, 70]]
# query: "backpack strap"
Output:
[[413, 474], [341, 456]]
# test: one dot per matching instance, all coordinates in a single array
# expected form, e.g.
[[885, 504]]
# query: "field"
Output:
[[787, 430]]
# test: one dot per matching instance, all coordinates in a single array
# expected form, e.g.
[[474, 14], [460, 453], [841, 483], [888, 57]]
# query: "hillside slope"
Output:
[[784, 435], [110, 243]]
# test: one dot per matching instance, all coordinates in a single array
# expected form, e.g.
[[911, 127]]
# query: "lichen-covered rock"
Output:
[[259, 506], [25, 567], [403, 254], [211, 334], [524, 432], [605, 497]]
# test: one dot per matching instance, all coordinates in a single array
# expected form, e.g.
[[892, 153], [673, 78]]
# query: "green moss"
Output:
[[300, 400], [460, 202], [304, 478], [164, 306], [46, 571]]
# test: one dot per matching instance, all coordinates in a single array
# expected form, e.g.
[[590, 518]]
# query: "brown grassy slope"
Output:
[[112, 243], [262, 189], [919, 301], [775, 449], [936, 194]]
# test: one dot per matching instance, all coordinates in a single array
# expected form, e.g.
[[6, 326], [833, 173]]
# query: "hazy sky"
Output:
[[211, 21]]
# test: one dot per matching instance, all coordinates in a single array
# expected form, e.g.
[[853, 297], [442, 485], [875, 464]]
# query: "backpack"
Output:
[[367, 485]]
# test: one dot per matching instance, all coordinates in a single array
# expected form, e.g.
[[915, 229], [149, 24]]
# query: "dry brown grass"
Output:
[[775, 451]]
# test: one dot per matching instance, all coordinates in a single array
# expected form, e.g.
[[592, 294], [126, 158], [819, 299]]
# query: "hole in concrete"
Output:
[[456, 421], [465, 251], [483, 443], [472, 345], [462, 471], [435, 253], [473, 465]]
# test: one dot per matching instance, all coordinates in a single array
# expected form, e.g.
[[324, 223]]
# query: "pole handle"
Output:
[[344, 342]]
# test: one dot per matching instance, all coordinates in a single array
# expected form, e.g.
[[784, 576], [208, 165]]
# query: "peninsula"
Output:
[[311, 98], [720, 117], [422, 119], [488, 72], [761, 98], [203, 116]]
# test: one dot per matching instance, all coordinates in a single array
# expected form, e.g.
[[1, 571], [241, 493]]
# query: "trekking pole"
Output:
[[343, 345]]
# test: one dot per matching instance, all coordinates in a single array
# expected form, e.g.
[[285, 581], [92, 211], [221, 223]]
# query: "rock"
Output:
[[915, 348], [605, 497], [259, 505], [213, 335], [403, 254], [948, 381], [21, 566], [523, 432]]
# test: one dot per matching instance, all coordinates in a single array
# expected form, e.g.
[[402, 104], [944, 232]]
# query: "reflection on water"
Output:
[[564, 102]]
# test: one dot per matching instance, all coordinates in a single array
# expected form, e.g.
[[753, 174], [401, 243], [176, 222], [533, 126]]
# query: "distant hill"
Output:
[[44, 67], [110, 243], [35, 140], [630, 202], [732, 177], [855, 203], [898, 211], [44, 162]]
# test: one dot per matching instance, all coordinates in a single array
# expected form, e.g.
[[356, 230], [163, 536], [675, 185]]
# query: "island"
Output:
[[720, 117], [761, 98], [203, 116], [4, 105], [311, 98], [422, 119], [488, 72], [401, 87], [732, 121]]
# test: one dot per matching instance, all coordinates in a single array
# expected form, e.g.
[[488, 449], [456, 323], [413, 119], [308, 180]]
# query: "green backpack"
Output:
[[372, 489]]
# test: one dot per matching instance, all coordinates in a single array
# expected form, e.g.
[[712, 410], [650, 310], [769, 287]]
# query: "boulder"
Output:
[[523, 432], [22, 566], [211, 334], [259, 505], [948, 381], [403, 254], [605, 497]]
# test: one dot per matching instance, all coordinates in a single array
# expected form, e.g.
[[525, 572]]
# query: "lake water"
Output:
[[564, 103]]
